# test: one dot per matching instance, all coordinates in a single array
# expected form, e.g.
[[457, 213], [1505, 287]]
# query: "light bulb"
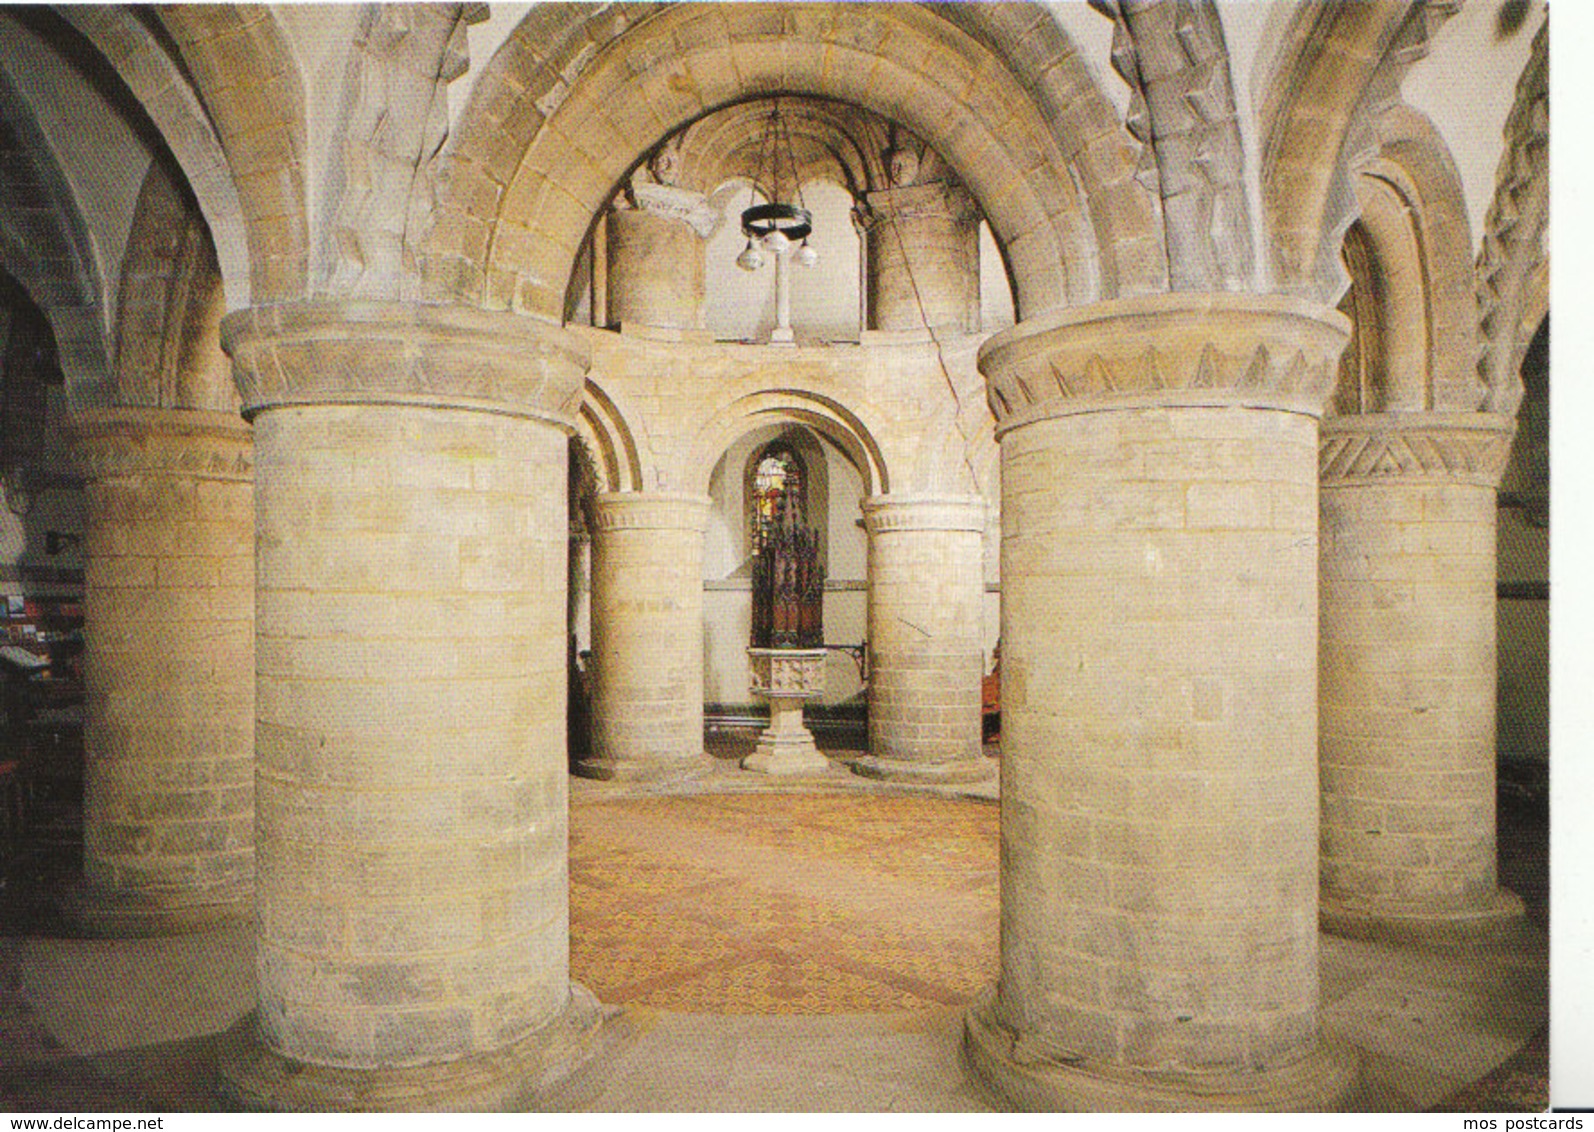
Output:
[[751, 258], [777, 241], [806, 255]]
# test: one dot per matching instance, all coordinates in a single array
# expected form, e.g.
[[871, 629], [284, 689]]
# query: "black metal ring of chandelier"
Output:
[[766, 219]]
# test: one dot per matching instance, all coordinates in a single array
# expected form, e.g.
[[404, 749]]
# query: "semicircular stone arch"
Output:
[[245, 74], [45, 247], [568, 106], [606, 431], [818, 413], [1411, 272], [168, 346], [1412, 191], [1334, 69], [156, 82]]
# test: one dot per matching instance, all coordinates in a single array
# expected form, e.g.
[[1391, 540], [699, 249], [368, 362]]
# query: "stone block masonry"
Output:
[[411, 534], [168, 671], [1408, 673], [647, 636], [411, 732], [926, 586], [1159, 691]]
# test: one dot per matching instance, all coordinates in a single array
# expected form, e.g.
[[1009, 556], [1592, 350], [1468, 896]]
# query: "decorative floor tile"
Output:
[[834, 903]]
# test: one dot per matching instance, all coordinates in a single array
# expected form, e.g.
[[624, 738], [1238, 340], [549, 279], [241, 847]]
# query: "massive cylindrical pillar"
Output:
[[655, 270], [647, 635], [1408, 674], [923, 257], [926, 656], [168, 671], [413, 925], [1159, 687]]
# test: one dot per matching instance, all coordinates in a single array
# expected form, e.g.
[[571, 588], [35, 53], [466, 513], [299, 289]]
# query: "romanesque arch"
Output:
[[46, 248], [511, 228], [822, 414], [168, 353], [1333, 71], [156, 81], [245, 74], [609, 442], [1411, 277]]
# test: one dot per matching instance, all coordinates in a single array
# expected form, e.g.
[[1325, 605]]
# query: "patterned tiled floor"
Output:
[[784, 904], [825, 897]]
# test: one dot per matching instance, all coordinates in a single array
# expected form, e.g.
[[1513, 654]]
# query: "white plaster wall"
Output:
[[1466, 86], [996, 294], [740, 305]]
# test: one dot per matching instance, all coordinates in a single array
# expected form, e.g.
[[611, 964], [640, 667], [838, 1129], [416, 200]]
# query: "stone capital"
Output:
[[888, 514], [405, 354], [931, 201], [650, 511], [189, 443], [1381, 448], [1175, 349], [670, 203]]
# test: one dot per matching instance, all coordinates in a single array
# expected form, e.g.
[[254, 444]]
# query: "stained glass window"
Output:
[[778, 499]]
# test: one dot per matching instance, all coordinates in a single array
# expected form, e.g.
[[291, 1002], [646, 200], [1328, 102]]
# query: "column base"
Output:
[[541, 1071], [98, 913], [787, 754], [632, 770], [1322, 1081], [907, 770], [1498, 917]]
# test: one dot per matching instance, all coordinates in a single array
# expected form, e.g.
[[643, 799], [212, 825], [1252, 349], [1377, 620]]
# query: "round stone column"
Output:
[[655, 270], [168, 671], [922, 247], [412, 893], [1159, 725], [1408, 672], [647, 636], [926, 658]]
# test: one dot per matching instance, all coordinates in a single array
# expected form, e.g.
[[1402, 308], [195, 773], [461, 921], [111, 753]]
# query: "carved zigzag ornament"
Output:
[[1176, 349], [1152, 371], [1438, 453]]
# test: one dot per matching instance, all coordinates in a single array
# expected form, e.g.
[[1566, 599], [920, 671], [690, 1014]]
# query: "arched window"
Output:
[[779, 494], [788, 578]]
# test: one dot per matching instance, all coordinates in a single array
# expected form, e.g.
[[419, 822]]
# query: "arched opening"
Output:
[[783, 436], [739, 306], [1522, 545], [788, 574], [898, 242], [41, 615], [747, 508], [582, 488], [1362, 372]]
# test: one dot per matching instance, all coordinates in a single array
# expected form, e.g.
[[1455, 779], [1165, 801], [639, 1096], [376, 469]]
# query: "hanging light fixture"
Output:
[[780, 225]]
